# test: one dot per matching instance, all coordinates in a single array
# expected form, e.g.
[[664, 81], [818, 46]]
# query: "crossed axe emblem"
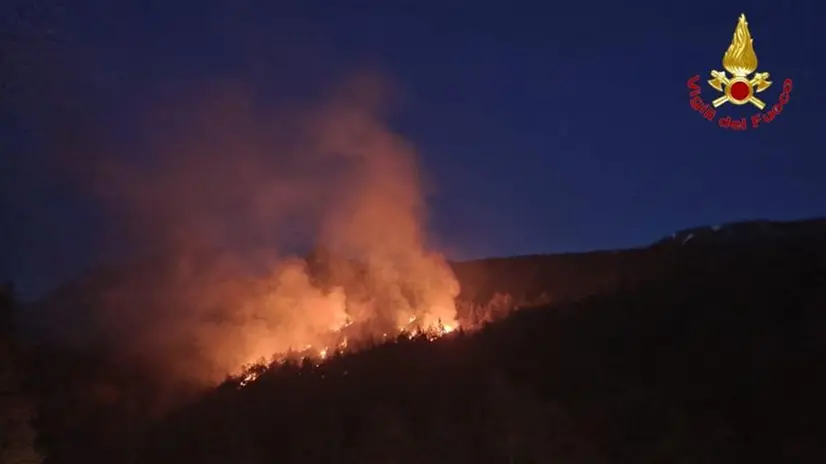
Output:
[[739, 89]]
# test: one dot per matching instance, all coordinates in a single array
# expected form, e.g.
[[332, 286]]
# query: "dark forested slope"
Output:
[[719, 358], [709, 349]]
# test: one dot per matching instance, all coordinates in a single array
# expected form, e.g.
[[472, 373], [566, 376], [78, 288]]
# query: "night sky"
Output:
[[547, 126]]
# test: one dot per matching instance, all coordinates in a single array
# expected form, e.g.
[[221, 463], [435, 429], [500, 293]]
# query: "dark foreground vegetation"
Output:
[[706, 350]]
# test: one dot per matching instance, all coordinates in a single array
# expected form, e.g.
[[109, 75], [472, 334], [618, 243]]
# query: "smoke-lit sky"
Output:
[[541, 127]]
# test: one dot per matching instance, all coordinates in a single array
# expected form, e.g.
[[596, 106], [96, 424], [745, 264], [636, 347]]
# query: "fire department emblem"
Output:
[[740, 60]]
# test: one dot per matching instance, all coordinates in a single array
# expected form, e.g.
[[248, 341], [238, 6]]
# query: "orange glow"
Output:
[[239, 184], [249, 372]]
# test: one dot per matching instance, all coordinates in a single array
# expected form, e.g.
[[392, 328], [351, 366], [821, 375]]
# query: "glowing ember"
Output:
[[248, 378]]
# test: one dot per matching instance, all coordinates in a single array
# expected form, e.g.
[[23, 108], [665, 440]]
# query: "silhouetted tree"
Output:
[[7, 304], [17, 411]]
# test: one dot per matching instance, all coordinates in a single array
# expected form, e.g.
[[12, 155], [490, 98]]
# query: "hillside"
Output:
[[719, 360], [672, 353], [572, 276]]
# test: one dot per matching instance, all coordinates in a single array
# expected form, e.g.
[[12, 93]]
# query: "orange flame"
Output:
[[229, 176], [249, 372]]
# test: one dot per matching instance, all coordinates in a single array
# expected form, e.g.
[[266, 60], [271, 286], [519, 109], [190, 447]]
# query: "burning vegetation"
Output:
[[224, 194]]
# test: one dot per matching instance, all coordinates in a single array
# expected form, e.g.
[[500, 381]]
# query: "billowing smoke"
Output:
[[225, 190]]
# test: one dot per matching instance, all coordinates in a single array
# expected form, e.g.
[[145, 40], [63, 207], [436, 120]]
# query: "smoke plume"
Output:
[[224, 190]]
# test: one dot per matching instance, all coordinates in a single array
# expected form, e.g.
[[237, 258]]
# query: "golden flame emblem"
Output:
[[740, 60]]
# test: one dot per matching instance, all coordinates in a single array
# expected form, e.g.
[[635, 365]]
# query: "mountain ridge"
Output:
[[526, 278], [667, 353]]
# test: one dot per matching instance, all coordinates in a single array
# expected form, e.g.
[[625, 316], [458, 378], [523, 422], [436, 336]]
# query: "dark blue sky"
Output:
[[547, 126]]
